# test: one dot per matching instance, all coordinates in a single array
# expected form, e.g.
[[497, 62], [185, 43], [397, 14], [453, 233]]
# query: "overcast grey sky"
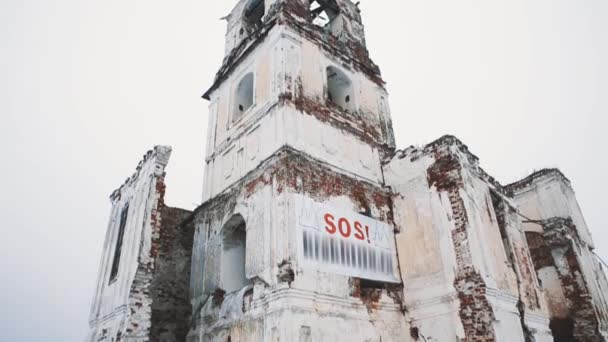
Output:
[[86, 87]]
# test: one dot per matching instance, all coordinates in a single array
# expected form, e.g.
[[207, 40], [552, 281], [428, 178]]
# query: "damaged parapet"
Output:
[[142, 289], [572, 277], [466, 268]]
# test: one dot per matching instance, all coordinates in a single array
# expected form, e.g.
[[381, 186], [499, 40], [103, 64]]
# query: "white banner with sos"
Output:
[[343, 242]]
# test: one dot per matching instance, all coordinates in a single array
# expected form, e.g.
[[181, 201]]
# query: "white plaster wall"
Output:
[[424, 223], [487, 248], [437, 319], [425, 249], [554, 293], [507, 323], [539, 327]]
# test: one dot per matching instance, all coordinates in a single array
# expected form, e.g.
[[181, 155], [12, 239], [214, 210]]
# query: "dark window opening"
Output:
[[562, 329], [323, 12], [117, 251], [415, 333], [500, 210], [339, 89], [371, 288], [366, 210], [254, 15], [372, 284]]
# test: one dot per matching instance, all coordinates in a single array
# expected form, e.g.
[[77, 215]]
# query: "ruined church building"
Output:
[[314, 227]]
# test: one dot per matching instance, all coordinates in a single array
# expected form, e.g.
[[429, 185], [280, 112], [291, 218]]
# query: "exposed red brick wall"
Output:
[[476, 312], [579, 301], [541, 253], [171, 309]]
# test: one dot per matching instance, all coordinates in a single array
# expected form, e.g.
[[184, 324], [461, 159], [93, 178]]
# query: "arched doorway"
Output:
[[234, 251]]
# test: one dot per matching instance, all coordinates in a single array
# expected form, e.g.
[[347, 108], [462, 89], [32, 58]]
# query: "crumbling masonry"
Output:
[[314, 227]]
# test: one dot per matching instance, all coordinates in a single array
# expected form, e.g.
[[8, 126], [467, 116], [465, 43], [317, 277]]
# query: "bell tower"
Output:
[[299, 74], [295, 239]]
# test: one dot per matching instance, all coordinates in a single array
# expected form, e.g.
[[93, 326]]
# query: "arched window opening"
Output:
[[234, 247], [323, 12], [340, 89], [244, 96], [254, 15]]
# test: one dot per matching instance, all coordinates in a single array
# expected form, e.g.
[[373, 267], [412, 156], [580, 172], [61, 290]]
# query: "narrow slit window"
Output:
[[118, 250], [499, 208], [244, 96]]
